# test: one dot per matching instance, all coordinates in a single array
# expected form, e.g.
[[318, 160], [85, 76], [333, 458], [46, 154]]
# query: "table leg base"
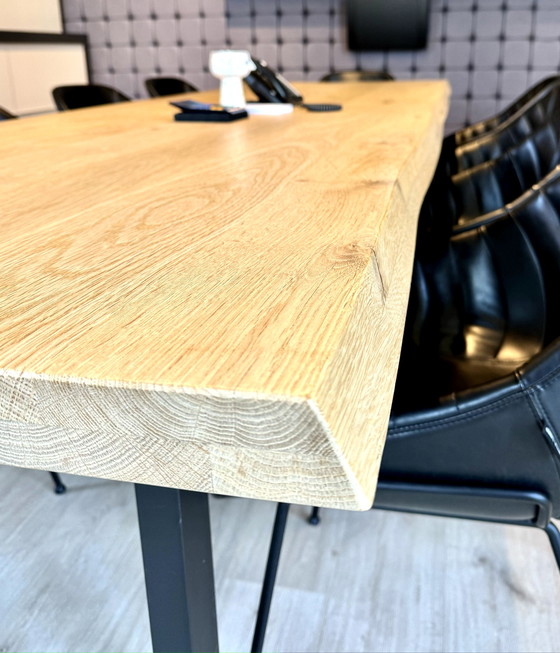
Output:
[[178, 568]]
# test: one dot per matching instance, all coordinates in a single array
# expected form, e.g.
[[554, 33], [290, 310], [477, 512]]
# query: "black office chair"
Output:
[[475, 425], [6, 115], [357, 76], [86, 95], [161, 86]]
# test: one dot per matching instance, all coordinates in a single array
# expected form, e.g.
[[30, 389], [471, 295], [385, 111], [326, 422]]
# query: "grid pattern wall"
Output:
[[489, 50]]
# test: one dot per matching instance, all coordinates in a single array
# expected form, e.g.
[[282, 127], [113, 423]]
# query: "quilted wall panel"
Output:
[[490, 50]]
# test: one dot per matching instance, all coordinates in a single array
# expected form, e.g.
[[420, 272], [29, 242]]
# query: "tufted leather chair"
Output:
[[475, 430], [160, 86], [484, 126], [496, 168], [86, 95], [485, 301], [536, 119], [357, 76], [459, 198]]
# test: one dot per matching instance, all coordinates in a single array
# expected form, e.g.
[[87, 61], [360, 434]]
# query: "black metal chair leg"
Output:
[[270, 576], [554, 538], [314, 518], [59, 487]]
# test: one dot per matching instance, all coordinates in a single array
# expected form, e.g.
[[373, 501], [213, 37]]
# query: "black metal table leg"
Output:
[[177, 552]]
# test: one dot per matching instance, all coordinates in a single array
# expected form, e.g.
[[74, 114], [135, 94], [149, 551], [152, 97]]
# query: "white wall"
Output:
[[30, 16]]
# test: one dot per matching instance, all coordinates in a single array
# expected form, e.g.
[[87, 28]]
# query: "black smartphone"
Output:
[[270, 86]]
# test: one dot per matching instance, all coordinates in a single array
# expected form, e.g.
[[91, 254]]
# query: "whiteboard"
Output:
[[29, 72]]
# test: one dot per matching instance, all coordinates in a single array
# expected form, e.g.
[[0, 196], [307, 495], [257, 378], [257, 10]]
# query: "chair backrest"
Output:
[[495, 169], [493, 184], [357, 76], [486, 300], [484, 126], [6, 115], [535, 115], [458, 198], [86, 95], [160, 86]]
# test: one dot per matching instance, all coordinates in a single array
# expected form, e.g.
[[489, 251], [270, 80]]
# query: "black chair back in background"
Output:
[[357, 76], [534, 117], [86, 95], [161, 86]]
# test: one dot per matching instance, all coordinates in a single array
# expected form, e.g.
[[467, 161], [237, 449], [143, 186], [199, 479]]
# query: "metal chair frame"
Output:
[[479, 503]]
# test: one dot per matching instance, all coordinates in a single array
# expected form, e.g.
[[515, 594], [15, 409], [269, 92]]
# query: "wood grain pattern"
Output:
[[212, 307]]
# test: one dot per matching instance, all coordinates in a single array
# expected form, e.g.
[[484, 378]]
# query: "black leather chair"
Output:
[[475, 425], [6, 115], [533, 126], [459, 198], [357, 76], [496, 168], [489, 124], [475, 430], [86, 95], [161, 86], [534, 118]]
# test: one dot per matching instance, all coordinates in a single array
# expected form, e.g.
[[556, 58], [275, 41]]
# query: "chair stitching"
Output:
[[524, 390], [444, 421]]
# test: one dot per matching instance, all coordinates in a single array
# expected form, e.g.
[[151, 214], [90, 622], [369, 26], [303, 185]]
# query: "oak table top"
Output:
[[212, 307]]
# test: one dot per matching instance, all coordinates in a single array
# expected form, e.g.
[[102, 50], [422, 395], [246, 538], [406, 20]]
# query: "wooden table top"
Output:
[[214, 307]]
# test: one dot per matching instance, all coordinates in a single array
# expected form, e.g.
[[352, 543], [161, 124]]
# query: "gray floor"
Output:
[[71, 577]]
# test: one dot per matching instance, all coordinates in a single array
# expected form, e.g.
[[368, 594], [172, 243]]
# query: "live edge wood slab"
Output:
[[214, 307]]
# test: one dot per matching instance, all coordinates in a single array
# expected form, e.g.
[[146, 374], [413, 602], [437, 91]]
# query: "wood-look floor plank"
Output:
[[71, 577]]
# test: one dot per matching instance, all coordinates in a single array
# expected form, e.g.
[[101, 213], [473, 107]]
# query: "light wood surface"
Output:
[[72, 578], [216, 307]]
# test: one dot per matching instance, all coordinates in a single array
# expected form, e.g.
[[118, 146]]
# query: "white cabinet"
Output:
[[29, 72]]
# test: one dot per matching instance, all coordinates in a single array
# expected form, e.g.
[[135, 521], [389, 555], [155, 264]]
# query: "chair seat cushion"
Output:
[[504, 434]]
